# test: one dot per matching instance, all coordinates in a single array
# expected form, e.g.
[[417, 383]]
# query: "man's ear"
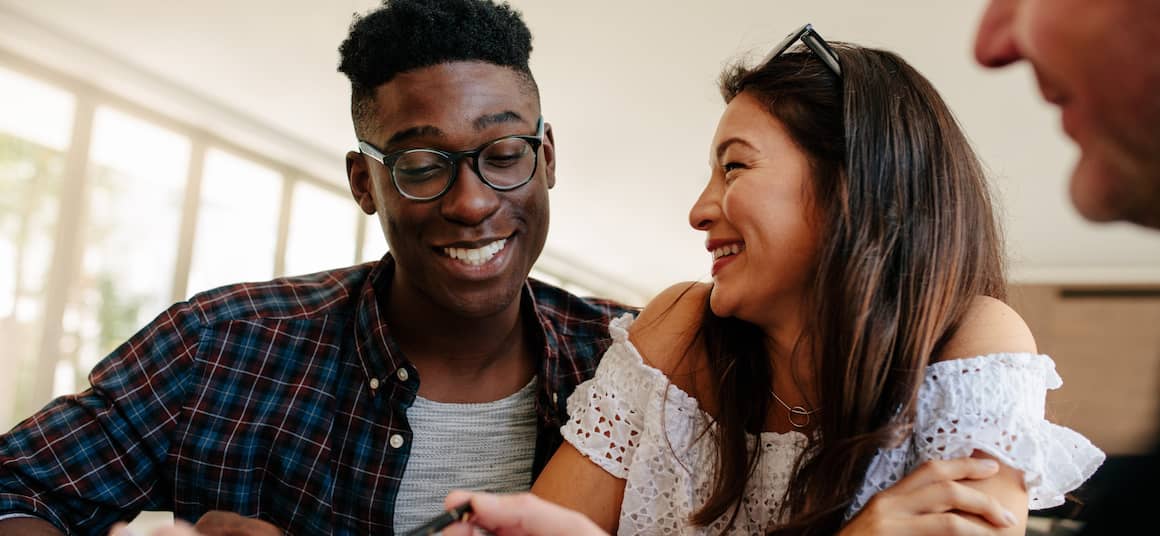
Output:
[[361, 185], [550, 154]]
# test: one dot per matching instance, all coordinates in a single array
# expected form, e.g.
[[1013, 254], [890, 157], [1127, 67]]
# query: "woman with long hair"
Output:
[[852, 366]]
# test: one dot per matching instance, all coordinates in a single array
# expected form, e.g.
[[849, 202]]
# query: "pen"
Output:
[[441, 521]]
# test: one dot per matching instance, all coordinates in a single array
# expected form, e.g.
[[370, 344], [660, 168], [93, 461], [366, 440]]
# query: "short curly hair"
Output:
[[402, 35]]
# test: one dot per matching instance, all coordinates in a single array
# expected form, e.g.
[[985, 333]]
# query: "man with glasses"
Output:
[[351, 401]]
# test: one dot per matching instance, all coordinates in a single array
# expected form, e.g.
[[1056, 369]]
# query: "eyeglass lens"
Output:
[[504, 163]]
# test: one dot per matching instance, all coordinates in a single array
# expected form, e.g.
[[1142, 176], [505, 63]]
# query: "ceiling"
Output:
[[629, 89]]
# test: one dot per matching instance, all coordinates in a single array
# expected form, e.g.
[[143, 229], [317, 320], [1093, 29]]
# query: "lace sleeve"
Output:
[[607, 412], [995, 404]]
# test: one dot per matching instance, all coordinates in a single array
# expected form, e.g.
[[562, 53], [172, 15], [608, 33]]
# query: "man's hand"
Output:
[[213, 523], [218, 523]]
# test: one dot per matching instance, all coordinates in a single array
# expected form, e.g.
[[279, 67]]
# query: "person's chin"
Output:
[[719, 302], [481, 301], [1101, 192]]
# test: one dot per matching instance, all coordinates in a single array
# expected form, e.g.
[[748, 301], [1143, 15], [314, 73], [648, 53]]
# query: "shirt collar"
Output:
[[377, 352], [380, 357]]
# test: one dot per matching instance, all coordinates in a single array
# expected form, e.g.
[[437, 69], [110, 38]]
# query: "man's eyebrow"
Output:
[[414, 132], [494, 119], [480, 123]]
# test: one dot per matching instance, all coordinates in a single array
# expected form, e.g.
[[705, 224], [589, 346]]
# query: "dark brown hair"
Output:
[[910, 240]]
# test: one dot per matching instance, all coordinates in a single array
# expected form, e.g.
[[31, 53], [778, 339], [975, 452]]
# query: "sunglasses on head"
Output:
[[810, 37]]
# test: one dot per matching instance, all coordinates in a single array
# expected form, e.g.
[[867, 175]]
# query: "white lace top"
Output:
[[992, 403]]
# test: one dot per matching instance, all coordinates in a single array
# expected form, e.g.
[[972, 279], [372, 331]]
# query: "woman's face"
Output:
[[758, 216]]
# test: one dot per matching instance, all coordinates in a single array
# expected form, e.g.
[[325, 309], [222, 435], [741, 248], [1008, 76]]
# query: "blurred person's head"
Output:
[[854, 201], [1097, 60], [434, 77]]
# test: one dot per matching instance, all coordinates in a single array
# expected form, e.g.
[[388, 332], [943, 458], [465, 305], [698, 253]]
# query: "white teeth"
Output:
[[477, 256], [731, 249]]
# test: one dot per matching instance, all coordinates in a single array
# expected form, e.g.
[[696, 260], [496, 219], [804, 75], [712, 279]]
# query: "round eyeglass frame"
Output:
[[455, 157]]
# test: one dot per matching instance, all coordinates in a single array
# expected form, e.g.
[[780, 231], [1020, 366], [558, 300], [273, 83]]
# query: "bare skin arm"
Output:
[[990, 327], [947, 497], [575, 482]]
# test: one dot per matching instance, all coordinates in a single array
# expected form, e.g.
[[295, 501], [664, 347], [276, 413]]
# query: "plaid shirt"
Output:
[[283, 400]]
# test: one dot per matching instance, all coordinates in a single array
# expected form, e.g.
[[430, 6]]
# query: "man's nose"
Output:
[[469, 201], [995, 44]]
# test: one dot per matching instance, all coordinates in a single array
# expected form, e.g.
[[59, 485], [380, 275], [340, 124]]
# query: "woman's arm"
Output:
[[573, 481], [661, 333], [959, 496], [989, 327]]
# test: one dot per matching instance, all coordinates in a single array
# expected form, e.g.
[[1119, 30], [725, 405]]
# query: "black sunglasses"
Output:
[[814, 41]]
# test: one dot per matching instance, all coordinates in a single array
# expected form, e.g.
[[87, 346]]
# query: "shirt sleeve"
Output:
[[996, 404], [88, 460], [607, 412]]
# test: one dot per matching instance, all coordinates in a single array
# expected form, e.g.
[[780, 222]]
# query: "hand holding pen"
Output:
[[522, 514]]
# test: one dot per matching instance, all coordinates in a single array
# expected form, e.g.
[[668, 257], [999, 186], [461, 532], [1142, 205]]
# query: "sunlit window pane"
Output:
[[35, 111], [322, 230], [137, 175], [374, 243], [237, 222], [35, 126]]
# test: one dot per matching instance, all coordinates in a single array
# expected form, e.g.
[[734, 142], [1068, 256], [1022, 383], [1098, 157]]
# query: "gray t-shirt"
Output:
[[482, 447]]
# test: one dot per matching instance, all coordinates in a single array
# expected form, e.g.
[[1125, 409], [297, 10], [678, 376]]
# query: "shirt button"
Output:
[[396, 441], [374, 383], [402, 374]]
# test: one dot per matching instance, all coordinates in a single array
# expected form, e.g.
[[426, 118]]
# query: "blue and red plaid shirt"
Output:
[[283, 400]]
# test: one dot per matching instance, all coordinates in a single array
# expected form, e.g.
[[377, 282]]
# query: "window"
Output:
[[136, 182], [35, 127], [237, 222], [323, 230], [374, 242]]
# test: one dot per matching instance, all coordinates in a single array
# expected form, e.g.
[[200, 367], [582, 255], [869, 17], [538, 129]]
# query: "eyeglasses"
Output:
[[503, 164], [814, 41]]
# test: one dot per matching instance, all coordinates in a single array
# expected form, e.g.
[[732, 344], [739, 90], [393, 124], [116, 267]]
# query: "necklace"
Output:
[[795, 412]]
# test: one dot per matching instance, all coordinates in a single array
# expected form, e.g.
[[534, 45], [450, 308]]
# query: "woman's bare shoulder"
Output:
[[666, 333], [989, 327]]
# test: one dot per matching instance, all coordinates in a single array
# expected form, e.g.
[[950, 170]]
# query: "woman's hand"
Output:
[[931, 500], [522, 514]]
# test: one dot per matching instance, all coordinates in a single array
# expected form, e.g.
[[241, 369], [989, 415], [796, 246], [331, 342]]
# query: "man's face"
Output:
[[1097, 60], [469, 251]]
